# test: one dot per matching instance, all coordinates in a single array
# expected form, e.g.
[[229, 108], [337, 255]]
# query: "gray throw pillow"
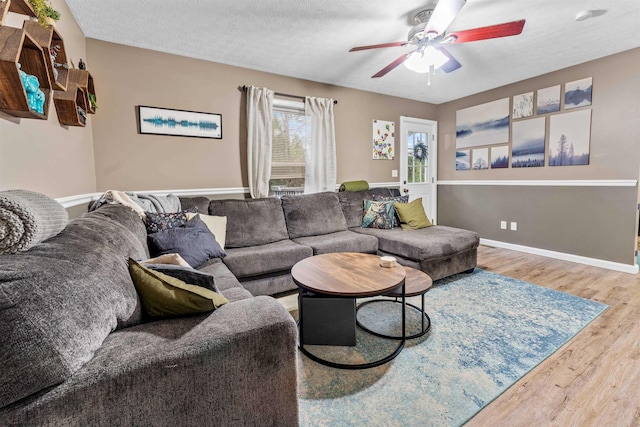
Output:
[[186, 274], [193, 241]]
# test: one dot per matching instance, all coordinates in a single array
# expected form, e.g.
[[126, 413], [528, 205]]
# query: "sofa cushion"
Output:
[[251, 222], [378, 215], [342, 241], [352, 203], [226, 282], [430, 243], [199, 203], [263, 259], [60, 299], [193, 241], [313, 214], [166, 296]]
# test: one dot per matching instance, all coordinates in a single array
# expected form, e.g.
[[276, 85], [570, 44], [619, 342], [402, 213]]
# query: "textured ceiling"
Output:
[[310, 39]]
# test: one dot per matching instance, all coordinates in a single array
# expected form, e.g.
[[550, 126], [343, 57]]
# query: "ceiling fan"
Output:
[[429, 37]]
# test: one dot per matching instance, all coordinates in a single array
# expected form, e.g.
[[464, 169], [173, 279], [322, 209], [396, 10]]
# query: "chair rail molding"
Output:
[[548, 182], [80, 199]]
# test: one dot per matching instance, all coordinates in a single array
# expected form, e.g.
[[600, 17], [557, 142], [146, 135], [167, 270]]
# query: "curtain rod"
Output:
[[244, 89]]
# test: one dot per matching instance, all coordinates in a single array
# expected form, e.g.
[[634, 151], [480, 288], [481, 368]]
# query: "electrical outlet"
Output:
[[514, 226], [503, 225], [394, 173]]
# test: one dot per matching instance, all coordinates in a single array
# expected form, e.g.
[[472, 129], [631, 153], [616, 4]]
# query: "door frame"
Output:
[[433, 158]]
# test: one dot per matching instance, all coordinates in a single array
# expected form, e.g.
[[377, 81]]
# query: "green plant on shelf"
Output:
[[44, 11], [92, 100]]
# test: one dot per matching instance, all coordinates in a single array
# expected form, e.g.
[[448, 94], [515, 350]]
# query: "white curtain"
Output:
[[320, 168], [259, 133]]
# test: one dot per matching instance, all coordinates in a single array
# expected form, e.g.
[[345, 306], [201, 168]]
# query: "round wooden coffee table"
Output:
[[416, 283], [347, 275]]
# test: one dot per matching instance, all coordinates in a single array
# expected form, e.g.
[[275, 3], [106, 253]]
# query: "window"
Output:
[[417, 156], [290, 130]]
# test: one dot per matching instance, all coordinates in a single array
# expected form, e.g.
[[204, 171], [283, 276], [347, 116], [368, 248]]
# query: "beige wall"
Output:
[[615, 123], [130, 77], [42, 155], [595, 222]]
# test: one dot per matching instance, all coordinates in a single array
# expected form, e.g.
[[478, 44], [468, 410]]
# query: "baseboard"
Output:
[[610, 265]]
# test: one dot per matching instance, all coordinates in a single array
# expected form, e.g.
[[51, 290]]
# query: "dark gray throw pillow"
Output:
[[193, 241], [158, 221], [186, 274]]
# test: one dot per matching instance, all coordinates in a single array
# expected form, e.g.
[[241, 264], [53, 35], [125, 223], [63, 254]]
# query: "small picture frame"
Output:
[[172, 122]]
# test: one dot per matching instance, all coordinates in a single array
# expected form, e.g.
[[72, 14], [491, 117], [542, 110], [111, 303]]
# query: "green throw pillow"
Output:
[[165, 296], [412, 216]]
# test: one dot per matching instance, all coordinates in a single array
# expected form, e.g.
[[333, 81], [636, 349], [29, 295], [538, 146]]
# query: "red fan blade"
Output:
[[452, 64], [391, 66], [443, 14], [376, 46], [491, 32]]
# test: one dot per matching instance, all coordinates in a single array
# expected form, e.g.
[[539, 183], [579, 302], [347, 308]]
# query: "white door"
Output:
[[418, 162]]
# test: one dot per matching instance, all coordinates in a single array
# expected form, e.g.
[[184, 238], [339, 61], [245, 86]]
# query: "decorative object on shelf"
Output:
[[383, 140], [82, 65], [168, 121], [92, 100], [35, 96], [82, 114], [53, 52], [44, 12], [55, 55]]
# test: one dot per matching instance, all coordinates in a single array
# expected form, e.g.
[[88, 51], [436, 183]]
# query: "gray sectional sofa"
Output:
[[266, 237], [76, 350]]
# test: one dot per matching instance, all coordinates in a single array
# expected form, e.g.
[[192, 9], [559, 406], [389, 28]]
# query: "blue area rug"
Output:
[[487, 332]]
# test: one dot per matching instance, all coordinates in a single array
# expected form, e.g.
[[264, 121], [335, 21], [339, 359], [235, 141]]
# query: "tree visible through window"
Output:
[[290, 130]]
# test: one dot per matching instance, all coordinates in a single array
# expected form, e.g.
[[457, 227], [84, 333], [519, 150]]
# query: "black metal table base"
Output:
[[425, 319], [354, 366]]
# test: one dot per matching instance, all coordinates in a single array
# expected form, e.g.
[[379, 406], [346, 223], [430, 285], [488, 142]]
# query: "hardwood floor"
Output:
[[594, 380]]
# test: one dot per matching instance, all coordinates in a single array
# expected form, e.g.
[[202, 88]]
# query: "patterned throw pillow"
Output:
[[399, 199], [378, 214], [159, 221]]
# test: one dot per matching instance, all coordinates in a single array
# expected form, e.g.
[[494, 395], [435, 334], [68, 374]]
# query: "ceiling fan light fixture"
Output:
[[584, 15], [422, 61]]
